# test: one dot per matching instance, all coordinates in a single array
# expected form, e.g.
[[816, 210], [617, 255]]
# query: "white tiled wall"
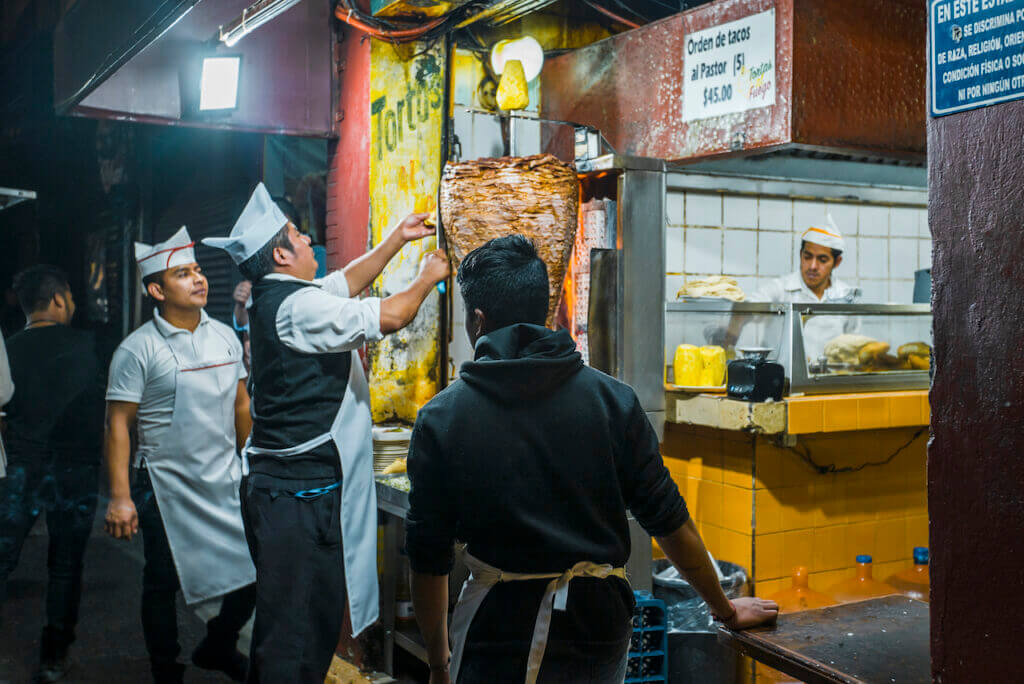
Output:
[[755, 239]]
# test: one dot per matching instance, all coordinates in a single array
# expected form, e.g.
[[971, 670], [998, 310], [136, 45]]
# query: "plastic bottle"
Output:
[[800, 596], [861, 586], [914, 581]]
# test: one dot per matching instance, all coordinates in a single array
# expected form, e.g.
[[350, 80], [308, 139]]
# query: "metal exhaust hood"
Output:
[[837, 78]]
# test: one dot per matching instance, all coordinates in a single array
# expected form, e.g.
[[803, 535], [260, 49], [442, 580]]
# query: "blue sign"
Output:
[[976, 53]]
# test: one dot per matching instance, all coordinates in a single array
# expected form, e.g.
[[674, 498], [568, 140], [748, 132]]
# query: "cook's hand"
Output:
[[242, 292], [751, 612], [412, 227], [435, 266], [122, 520]]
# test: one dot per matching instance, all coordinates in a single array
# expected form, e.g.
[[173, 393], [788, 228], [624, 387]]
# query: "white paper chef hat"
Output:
[[828, 236], [260, 221], [175, 251]]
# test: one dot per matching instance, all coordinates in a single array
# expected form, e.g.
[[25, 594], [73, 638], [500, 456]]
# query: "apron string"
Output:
[[556, 596]]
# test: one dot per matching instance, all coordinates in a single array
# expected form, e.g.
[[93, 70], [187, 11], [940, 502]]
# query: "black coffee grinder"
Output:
[[754, 378]]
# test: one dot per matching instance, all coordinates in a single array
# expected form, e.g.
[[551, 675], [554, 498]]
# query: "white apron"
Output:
[[483, 576], [196, 477], [352, 436]]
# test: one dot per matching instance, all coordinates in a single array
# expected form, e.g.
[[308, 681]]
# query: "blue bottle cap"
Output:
[[863, 559], [921, 555]]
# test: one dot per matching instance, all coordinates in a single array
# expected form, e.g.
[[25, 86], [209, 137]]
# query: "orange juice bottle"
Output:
[[861, 586], [914, 581], [800, 596]]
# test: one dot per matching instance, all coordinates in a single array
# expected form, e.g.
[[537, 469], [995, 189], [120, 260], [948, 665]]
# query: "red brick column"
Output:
[[348, 175]]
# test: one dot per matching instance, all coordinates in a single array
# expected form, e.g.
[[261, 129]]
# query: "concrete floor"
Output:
[[109, 648]]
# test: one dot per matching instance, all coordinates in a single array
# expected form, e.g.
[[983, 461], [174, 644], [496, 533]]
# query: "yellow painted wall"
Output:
[[762, 506], [406, 103]]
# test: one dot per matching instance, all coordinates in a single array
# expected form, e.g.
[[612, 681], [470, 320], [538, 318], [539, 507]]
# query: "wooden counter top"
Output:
[[877, 640], [801, 415]]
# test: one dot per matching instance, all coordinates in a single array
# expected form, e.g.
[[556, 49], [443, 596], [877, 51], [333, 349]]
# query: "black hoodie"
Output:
[[532, 459]]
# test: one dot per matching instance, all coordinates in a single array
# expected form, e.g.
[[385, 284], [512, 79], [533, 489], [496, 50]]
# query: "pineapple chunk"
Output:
[[512, 89]]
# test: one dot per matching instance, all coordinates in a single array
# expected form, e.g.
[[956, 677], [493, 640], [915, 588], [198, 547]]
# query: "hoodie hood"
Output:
[[522, 361]]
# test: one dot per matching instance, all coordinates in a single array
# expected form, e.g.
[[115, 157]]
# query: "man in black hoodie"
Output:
[[532, 459]]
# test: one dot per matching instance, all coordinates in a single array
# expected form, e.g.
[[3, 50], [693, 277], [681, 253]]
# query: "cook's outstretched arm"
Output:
[[362, 271]]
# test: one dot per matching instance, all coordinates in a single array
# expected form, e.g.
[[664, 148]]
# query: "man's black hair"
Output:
[[36, 287], [157, 278], [507, 281], [262, 262], [836, 253]]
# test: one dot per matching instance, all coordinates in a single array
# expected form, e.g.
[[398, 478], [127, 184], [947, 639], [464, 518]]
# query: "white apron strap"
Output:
[[556, 596], [481, 578], [296, 450]]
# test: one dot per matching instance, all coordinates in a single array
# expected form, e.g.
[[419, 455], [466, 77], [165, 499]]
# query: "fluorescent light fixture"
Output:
[[218, 85], [526, 49], [253, 16]]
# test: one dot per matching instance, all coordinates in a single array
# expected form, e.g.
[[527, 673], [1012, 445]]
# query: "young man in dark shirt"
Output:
[[532, 459], [53, 434]]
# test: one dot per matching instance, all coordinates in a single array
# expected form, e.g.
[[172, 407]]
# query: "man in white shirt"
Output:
[[308, 497], [180, 379], [820, 254]]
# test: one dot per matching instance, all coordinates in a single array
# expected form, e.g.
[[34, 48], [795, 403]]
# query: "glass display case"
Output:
[[859, 347], [824, 348]]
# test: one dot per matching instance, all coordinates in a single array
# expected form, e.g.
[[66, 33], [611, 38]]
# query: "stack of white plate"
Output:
[[389, 442]]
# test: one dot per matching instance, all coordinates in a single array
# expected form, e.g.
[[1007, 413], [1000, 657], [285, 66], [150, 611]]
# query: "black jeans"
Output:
[[300, 578], [66, 492], [160, 587]]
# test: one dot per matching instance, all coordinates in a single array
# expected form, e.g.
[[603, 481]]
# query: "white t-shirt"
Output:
[[143, 368], [323, 319]]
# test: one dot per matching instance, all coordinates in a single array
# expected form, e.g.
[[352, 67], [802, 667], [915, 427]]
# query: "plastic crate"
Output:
[[648, 648]]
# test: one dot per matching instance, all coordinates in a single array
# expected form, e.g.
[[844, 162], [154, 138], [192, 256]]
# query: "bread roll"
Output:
[[872, 353], [844, 348], [919, 361], [918, 348]]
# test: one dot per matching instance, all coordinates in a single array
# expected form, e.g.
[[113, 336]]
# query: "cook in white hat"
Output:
[[180, 380], [821, 252], [309, 460]]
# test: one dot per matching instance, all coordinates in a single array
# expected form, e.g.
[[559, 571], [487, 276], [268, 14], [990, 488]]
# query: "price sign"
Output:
[[976, 50], [729, 68]]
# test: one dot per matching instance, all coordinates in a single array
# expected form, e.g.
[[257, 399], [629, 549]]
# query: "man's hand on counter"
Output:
[[751, 611]]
